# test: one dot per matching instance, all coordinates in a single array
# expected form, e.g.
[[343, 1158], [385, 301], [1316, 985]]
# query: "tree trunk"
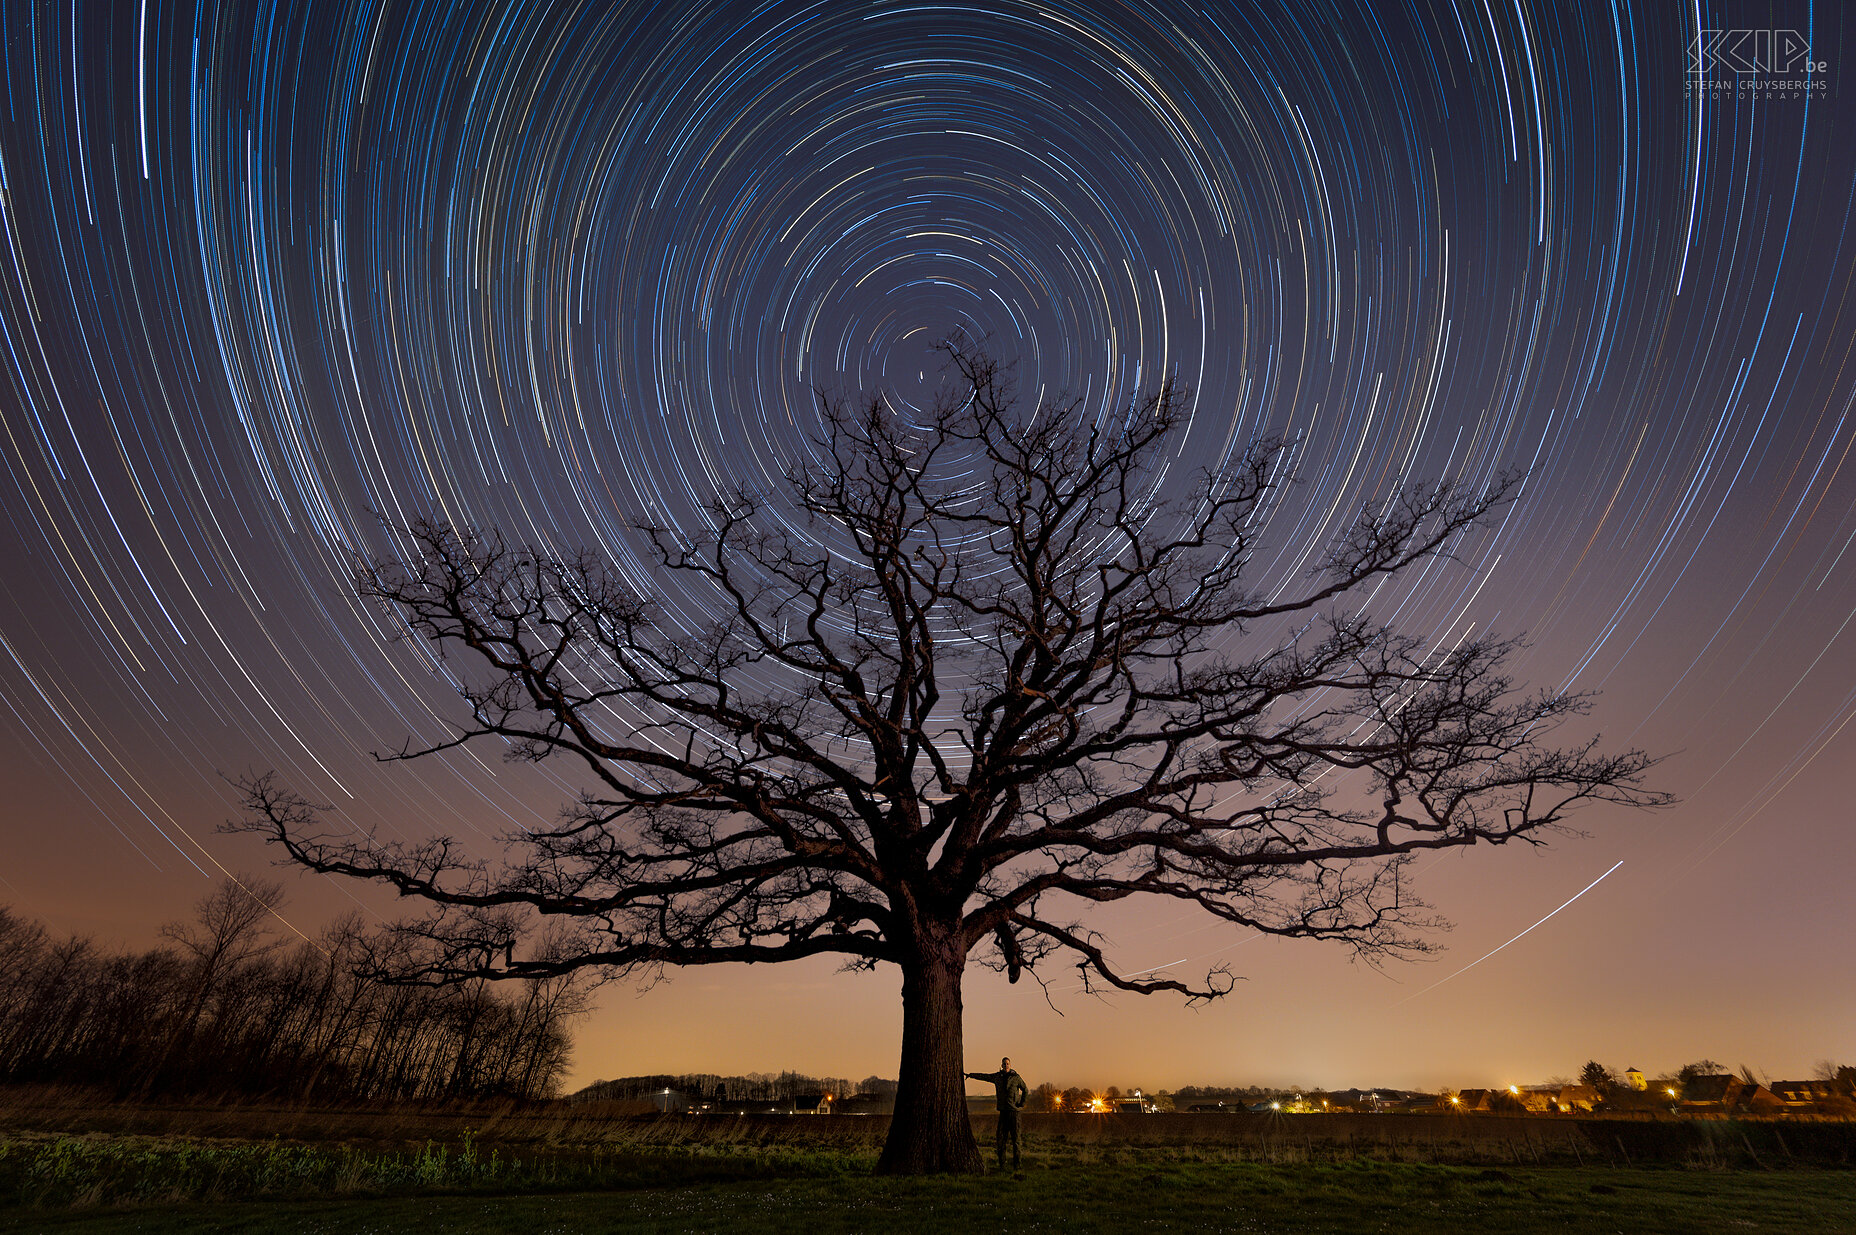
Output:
[[930, 1133]]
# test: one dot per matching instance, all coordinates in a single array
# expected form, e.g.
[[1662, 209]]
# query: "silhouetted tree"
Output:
[[1687, 1074], [982, 682], [1599, 1077], [230, 927], [1841, 1075]]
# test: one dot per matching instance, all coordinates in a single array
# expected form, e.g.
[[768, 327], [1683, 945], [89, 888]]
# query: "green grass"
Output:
[[90, 1171], [405, 1171], [1069, 1196]]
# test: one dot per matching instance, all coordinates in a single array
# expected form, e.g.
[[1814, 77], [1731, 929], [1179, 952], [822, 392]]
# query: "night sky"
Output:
[[559, 268]]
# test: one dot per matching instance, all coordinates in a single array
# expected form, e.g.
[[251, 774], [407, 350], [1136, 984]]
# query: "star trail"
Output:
[[273, 272]]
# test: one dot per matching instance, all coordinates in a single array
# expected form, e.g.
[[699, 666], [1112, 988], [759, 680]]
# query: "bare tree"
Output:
[[23, 943], [230, 928], [231, 924], [979, 683], [302, 1022]]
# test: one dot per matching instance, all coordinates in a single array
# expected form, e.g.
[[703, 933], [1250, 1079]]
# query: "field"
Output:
[[71, 1163]]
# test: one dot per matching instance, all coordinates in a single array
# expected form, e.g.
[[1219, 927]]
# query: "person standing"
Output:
[[1010, 1093]]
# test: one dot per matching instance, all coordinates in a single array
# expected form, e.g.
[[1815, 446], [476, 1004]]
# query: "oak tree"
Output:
[[972, 671]]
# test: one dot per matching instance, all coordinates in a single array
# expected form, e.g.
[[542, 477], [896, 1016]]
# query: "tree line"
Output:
[[225, 1007], [752, 1087]]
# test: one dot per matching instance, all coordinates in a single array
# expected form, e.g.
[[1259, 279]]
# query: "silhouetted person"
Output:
[[1010, 1093]]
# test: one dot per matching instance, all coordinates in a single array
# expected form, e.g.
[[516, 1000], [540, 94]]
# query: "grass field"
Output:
[[69, 1164], [1068, 1197]]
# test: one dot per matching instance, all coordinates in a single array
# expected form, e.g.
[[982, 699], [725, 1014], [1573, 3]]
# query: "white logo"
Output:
[[1766, 52]]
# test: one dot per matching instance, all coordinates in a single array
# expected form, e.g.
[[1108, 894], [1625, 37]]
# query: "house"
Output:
[[1421, 1104], [1490, 1102], [1537, 1100], [1814, 1098], [1362, 1099], [1727, 1094], [1577, 1099], [1474, 1101], [1802, 1093]]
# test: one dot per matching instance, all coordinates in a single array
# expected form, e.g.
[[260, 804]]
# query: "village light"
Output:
[[1515, 1090]]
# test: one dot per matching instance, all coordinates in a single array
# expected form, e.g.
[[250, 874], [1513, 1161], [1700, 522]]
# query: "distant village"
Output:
[[1703, 1089]]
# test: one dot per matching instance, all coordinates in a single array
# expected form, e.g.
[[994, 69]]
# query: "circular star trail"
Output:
[[271, 272]]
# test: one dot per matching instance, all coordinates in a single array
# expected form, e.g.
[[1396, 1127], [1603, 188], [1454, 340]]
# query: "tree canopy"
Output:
[[969, 673]]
